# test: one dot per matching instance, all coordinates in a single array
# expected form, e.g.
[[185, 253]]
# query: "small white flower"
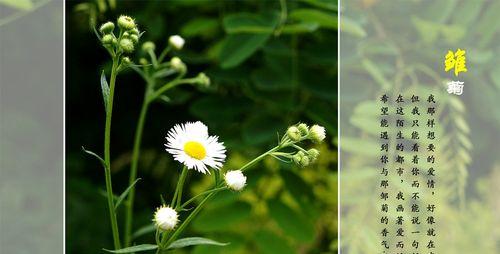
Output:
[[191, 145], [176, 41], [317, 133], [166, 218], [235, 180]]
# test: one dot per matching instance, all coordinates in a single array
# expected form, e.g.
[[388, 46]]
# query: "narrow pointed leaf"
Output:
[[125, 193], [190, 241], [96, 156], [105, 90], [137, 248]]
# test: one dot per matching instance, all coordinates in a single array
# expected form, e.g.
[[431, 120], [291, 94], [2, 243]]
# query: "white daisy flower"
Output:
[[191, 145], [235, 180], [165, 218]]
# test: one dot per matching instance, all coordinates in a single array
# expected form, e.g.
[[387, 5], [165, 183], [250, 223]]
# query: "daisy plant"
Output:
[[190, 143], [159, 75]]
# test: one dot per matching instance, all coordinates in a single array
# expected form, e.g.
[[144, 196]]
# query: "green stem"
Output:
[[201, 194], [133, 168], [165, 243], [107, 156], [178, 189], [164, 54], [170, 85], [252, 162]]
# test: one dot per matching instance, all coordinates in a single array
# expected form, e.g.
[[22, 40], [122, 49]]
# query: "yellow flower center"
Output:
[[195, 150]]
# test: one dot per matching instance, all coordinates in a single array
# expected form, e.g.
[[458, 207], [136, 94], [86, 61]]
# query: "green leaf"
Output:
[[190, 241], [292, 223], [260, 129], [352, 27], [125, 193], [137, 248], [200, 26], [105, 90], [237, 48], [96, 156], [250, 23], [323, 19], [149, 228], [24, 5], [270, 243], [300, 28]]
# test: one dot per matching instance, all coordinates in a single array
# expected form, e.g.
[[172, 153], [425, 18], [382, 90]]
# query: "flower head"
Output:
[[126, 22], [165, 218], [176, 42], [203, 80], [235, 180], [303, 128], [147, 46], [127, 45], [317, 133], [107, 27], [177, 64], [191, 145], [293, 133]]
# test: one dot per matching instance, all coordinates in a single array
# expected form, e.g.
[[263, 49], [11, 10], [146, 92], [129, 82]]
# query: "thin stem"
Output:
[[164, 54], [252, 162], [171, 85], [135, 161], [165, 243], [178, 189], [202, 194], [181, 186], [107, 157]]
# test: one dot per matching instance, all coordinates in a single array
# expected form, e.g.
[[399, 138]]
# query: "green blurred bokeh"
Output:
[[263, 80]]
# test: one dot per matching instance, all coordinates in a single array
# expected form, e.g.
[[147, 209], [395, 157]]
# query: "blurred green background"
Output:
[[267, 75]]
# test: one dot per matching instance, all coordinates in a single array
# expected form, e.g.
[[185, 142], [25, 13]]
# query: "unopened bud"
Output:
[[107, 27], [293, 133], [313, 154], [303, 128], [147, 46], [176, 42], [203, 80], [127, 45], [126, 22], [134, 38], [107, 39]]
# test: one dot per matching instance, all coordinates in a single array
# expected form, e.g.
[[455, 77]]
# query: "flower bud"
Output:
[[127, 45], [304, 129], [203, 80], [176, 42], [134, 38], [293, 133], [126, 22], [177, 64], [134, 31], [126, 35], [317, 133], [165, 218], [143, 61], [147, 46], [304, 161], [107, 28], [107, 39], [313, 154], [297, 158], [126, 60], [235, 180]]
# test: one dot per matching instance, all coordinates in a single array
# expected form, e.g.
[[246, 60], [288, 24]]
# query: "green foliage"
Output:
[[267, 71]]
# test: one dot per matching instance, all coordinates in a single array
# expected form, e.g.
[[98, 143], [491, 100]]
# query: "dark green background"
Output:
[[288, 77]]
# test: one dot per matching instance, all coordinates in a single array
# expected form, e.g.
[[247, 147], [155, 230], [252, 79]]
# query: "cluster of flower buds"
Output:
[[127, 39], [305, 158], [301, 132]]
